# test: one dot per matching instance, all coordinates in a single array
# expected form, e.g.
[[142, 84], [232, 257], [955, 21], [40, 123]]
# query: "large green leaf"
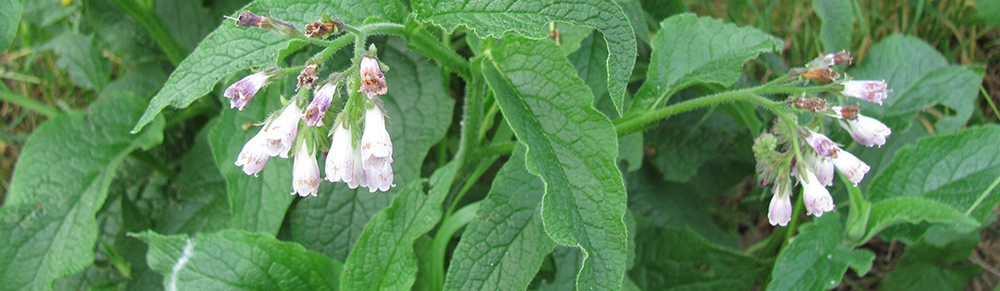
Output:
[[919, 77], [231, 49], [838, 24], [815, 259], [679, 259], [203, 205], [503, 246], [420, 112], [528, 17], [383, 257], [238, 260], [573, 148], [671, 206], [258, 203], [10, 12], [187, 21], [927, 267], [60, 182], [81, 57], [690, 50], [953, 170], [913, 210]]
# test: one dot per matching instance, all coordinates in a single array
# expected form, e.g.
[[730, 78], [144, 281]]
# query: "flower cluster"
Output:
[[364, 161], [814, 166]]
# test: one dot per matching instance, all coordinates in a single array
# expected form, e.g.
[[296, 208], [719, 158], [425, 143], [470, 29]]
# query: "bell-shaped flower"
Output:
[[316, 110], [358, 177], [816, 198], [823, 167], [340, 163], [254, 155], [281, 131], [780, 212], [871, 91], [305, 172], [866, 130], [823, 145], [379, 178], [242, 91], [372, 80], [851, 167], [376, 147]]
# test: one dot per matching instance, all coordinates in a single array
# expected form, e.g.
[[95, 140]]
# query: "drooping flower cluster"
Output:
[[814, 166], [364, 161]]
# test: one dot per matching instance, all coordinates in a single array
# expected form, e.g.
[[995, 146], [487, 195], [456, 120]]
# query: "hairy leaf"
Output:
[[838, 24], [230, 49], [493, 18], [238, 260], [81, 57], [204, 205], [572, 147], [679, 259], [503, 246], [815, 259]]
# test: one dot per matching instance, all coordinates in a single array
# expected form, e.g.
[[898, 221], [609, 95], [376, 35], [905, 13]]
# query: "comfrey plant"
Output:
[[366, 162], [781, 155]]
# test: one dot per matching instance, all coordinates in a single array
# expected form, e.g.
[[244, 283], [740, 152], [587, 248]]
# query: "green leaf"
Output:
[[570, 36], [989, 11], [494, 18], [504, 245], [589, 61], [815, 260], [258, 203], [897, 210], [238, 260], [568, 262], [419, 113], [671, 205], [10, 12], [689, 50], [187, 21], [927, 267], [919, 77], [838, 23], [81, 57], [203, 205], [383, 257], [637, 18], [230, 49], [60, 182], [679, 259], [573, 148]]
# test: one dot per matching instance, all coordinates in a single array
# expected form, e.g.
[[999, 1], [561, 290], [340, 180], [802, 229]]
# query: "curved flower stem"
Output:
[[380, 28], [439, 246]]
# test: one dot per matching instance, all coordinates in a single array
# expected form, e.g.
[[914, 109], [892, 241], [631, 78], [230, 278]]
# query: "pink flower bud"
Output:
[[316, 110], [243, 90], [372, 80], [851, 167], [305, 172], [780, 211], [816, 198], [281, 131], [871, 91], [254, 156]]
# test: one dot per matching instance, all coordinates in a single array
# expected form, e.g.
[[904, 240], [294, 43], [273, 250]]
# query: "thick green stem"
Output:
[[631, 124], [443, 236], [383, 28], [422, 41], [28, 103], [152, 23]]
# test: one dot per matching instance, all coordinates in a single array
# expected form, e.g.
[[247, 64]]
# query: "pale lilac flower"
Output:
[[871, 91], [372, 80], [376, 147], [281, 131], [340, 160], [316, 110], [851, 167], [254, 156], [823, 167], [380, 178], [305, 172], [243, 90], [866, 130], [816, 198], [780, 212], [822, 144], [358, 177]]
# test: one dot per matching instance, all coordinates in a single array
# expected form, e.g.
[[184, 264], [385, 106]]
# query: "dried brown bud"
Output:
[[307, 77], [842, 57], [318, 29], [824, 75], [811, 104], [850, 112]]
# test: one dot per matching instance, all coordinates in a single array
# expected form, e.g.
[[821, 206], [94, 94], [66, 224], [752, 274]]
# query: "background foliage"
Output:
[[517, 163]]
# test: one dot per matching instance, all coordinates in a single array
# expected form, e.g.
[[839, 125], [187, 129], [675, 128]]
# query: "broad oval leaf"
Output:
[[838, 23], [230, 48], [898, 210], [503, 246], [689, 49], [572, 147], [528, 17], [815, 259], [238, 260], [60, 182]]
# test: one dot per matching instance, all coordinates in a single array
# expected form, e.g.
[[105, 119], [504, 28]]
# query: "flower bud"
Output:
[[866, 130], [824, 75], [780, 211], [811, 104], [871, 91], [340, 160], [247, 18], [305, 172], [358, 177], [254, 155], [242, 91], [283, 28], [372, 80], [823, 146], [316, 110], [307, 77], [823, 167], [816, 198], [851, 167], [281, 131]]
